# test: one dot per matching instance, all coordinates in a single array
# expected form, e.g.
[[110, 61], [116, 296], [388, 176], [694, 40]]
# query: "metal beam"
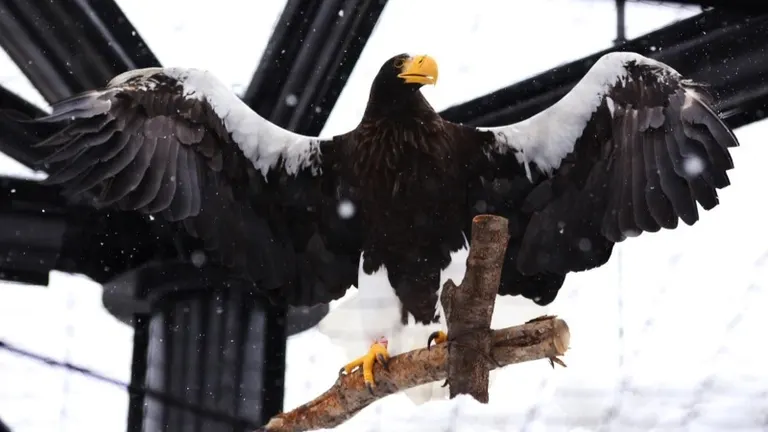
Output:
[[754, 6], [308, 60], [304, 67], [13, 142], [723, 49], [65, 47], [4, 427]]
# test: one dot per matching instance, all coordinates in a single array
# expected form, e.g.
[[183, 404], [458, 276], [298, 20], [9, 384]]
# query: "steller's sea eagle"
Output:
[[632, 147]]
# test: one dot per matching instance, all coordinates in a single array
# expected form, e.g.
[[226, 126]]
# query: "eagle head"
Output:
[[404, 71], [394, 91]]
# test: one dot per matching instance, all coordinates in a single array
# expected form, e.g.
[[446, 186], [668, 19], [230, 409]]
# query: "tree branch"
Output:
[[469, 325], [544, 337], [474, 348]]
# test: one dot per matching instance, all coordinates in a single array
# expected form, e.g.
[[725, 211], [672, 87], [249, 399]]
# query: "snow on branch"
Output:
[[472, 350]]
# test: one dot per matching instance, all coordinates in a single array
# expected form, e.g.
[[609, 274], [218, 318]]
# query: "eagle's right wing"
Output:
[[179, 144], [633, 147]]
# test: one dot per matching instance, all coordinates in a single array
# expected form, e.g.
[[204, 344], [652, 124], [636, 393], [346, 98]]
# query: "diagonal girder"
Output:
[[65, 47], [308, 60]]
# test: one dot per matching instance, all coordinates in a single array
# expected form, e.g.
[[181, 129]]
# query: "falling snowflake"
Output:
[[291, 100], [585, 245], [198, 258], [481, 206], [346, 209], [693, 166]]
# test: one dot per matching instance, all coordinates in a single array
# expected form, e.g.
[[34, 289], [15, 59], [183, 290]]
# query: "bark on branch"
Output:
[[542, 338], [474, 348], [469, 308]]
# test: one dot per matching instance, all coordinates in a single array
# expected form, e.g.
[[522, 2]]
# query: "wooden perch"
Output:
[[472, 350], [469, 308], [542, 338]]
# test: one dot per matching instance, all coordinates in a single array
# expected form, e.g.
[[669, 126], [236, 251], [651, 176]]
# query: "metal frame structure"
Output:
[[721, 48], [749, 6], [70, 46]]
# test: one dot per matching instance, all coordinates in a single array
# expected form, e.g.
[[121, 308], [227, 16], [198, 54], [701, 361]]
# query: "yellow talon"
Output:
[[437, 337], [377, 353]]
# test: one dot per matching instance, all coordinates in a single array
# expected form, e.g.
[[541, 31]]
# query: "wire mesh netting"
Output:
[[666, 336]]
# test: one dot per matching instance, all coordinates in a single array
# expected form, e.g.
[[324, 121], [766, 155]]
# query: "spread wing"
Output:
[[632, 147], [179, 144]]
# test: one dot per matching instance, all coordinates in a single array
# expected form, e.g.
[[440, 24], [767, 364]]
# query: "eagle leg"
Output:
[[377, 353], [437, 337]]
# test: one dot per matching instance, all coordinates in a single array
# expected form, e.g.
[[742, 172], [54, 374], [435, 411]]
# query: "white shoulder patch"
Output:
[[547, 137]]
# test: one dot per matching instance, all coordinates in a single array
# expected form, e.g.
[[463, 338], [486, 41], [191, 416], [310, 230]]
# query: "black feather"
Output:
[[181, 205], [115, 190], [150, 185], [128, 179], [642, 215], [168, 184]]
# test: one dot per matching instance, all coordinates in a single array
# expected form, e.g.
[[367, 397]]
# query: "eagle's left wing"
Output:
[[632, 147], [179, 146]]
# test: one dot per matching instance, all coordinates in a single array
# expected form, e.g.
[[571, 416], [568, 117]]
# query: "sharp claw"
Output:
[[431, 339], [365, 364], [437, 337], [553, 360], [383, 361]]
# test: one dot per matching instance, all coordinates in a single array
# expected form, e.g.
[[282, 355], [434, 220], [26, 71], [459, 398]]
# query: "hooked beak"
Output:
[[420, 70]]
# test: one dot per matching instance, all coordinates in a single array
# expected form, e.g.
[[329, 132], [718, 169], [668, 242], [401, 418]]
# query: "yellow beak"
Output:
[[420, 70]]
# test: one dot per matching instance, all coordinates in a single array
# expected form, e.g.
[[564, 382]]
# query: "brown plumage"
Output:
[[634, 147], [407, 168]]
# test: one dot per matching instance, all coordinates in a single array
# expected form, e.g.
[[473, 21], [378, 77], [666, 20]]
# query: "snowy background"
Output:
[[666, 337]]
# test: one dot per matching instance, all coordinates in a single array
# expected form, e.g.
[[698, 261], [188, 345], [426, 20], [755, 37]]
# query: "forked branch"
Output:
[[468, 308]]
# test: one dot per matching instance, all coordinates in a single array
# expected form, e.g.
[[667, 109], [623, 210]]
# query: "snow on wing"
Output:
[[178, 143]]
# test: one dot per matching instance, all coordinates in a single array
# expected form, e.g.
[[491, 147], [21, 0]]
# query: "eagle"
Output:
[[387, 206]]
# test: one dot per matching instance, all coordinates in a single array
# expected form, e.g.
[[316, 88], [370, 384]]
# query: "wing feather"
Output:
[[181, 206], [127, 180], [116, 167], [168, 185], [658, 204], [643, 217], [179, 144], [151, 182], [624, 178], [665, 152]]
